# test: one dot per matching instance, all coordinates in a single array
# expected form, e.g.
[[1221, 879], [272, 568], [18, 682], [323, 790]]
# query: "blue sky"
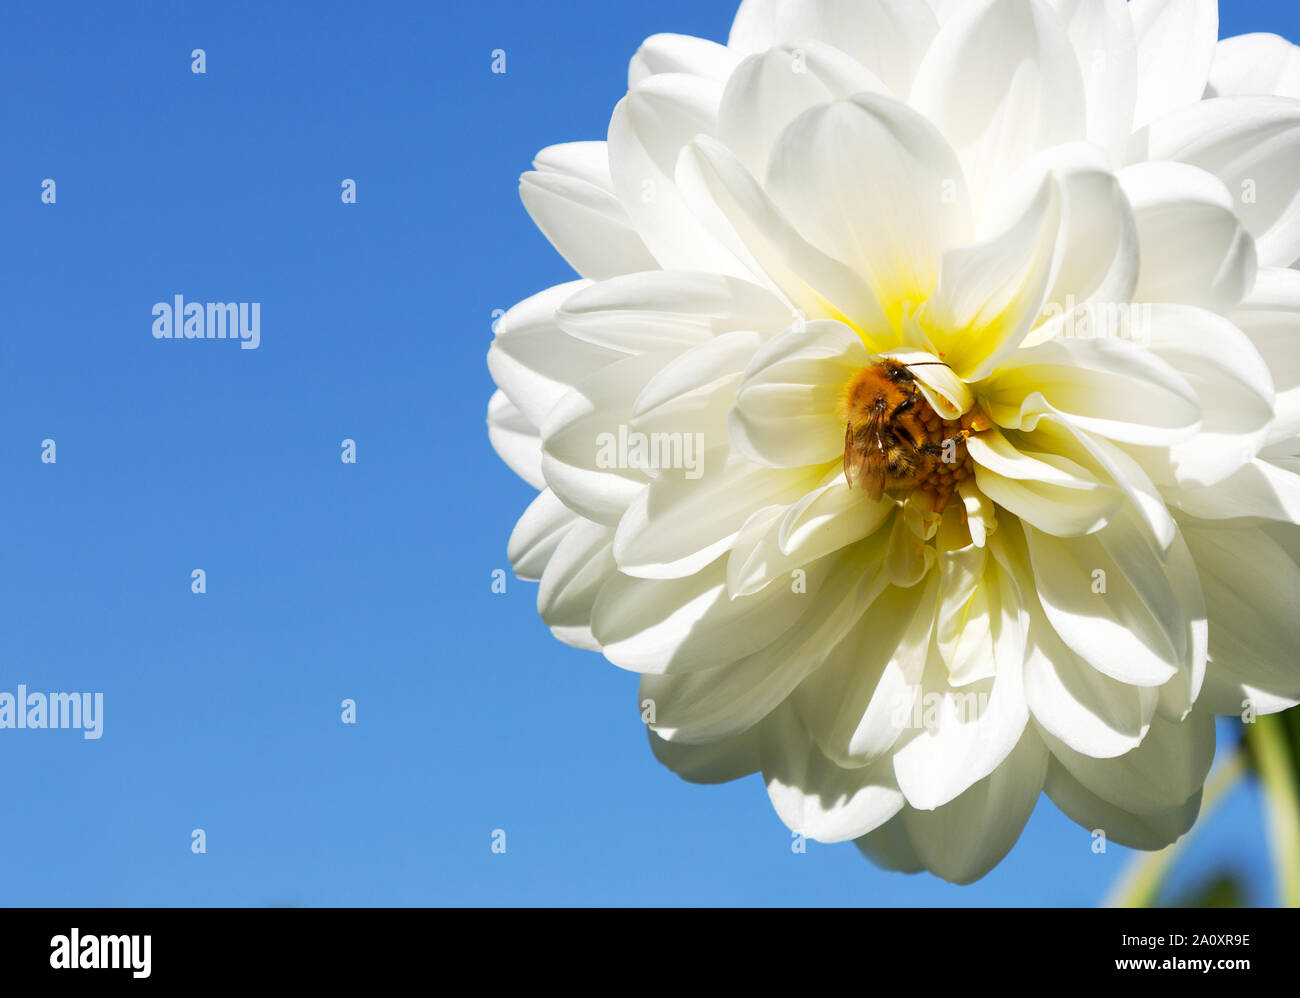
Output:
[[328, 581]]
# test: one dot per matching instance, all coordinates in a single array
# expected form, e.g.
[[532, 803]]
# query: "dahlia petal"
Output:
[[1232, 382], [663, 114], [742, 216], [981, 516], [580, 458], [534, 361], [586, 224], [947, 394], [1258, 63], [716, 762], [587, 161], [829, 518], [873, 184], [1125, 622], [890, 847], [694, 393], [888, 37], [538, 533], [669, 53], [1250, 585], [965, 614], [965, 838], [752, 29], [908, 559], [981, 619], [683, 521], [641, 312], [990, 294], [786, 413], [1002, 83], [814, 796], [1109, 462], [1106, 386], [1090, 712], [775, 541], [1105, 45], [1266, 490], [770, 89], [708, 704], [1194, 249], [1176, 41], [581, 565], [1099, 257], [755, 560], [1251, 144], [862, 699], [995, 451], [1179, 694], [970, 729], [1155, 777], [515, 440], [1059, 511], [648, 129], [1270, 316], [1054, 494], [1137, 831], [678, 625], [1225, 692], [576, 637]]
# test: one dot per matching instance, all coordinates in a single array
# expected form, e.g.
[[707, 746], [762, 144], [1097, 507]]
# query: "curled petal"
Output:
[[770, 89], [787, 408], [1175, 48], [1252, 145], [538, 533], [1194, 249], [1137, 831], [515, 440], [638, 313], [813, 795], [965, 838], [1257, 63], [888, 37], [873, 184], [1002, 83], [1158, 776], [668, 53]]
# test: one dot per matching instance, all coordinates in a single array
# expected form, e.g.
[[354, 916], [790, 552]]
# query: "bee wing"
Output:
[[872, 471], [864, 452]]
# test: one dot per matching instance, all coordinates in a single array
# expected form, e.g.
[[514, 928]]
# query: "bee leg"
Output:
[[974, 423]]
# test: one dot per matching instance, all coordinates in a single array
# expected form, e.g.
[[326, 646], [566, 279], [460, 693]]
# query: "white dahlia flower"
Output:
[[923, 428]]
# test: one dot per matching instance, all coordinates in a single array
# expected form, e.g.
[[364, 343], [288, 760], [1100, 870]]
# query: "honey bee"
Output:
[[895, 442]]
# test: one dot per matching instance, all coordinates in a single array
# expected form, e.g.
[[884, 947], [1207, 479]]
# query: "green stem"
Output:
[[1139, 887], [1268, 743]]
